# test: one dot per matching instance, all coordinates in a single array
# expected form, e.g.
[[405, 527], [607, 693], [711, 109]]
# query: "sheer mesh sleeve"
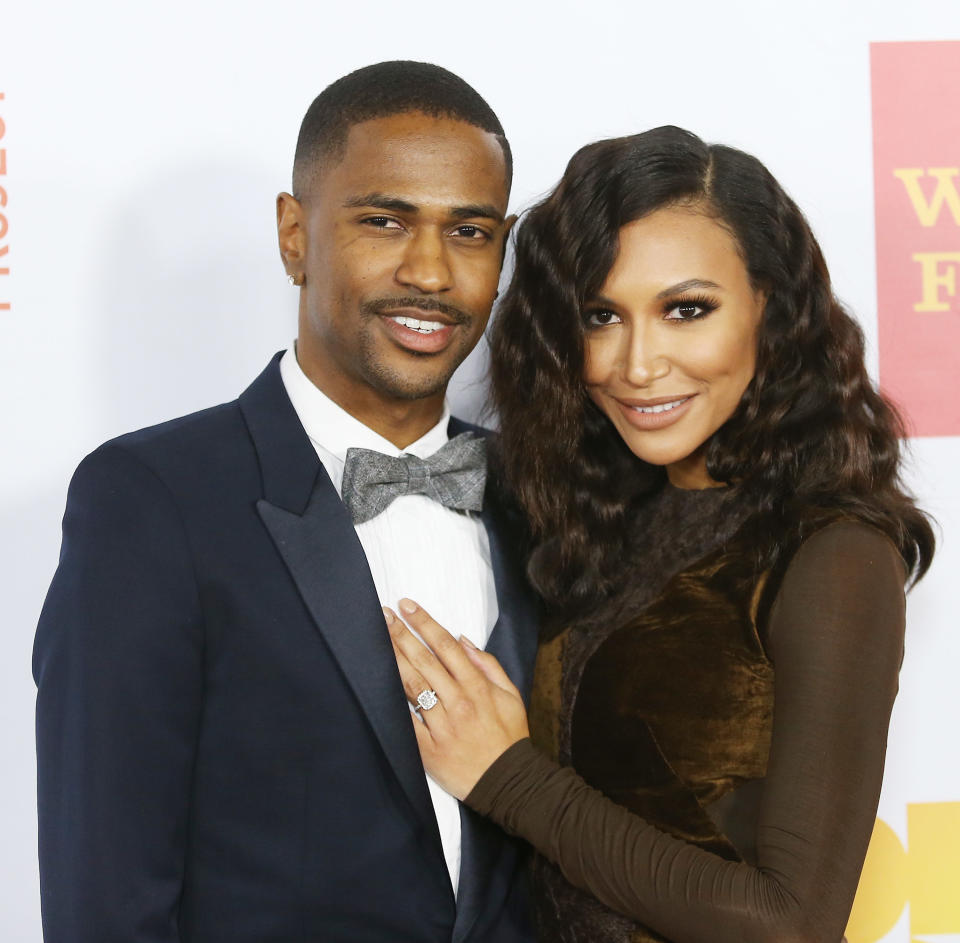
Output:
[[835, 638]]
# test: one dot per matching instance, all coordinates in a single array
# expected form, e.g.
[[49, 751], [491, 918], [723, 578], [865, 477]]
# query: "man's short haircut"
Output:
[[379, 91]]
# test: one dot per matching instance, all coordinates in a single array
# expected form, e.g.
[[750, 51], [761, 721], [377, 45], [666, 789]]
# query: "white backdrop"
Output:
[[145, 144]]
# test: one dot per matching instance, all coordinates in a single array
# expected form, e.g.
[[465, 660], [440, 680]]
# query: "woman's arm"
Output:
[[836, 635]]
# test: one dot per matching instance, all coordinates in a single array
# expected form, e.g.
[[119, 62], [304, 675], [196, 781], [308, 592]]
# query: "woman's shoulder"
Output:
[[831, 542], [831, 561]]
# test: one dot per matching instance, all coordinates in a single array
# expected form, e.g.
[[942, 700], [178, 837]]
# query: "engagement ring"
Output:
[[426, 699]]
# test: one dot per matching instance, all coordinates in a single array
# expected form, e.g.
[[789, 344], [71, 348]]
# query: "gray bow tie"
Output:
[[454, 476]]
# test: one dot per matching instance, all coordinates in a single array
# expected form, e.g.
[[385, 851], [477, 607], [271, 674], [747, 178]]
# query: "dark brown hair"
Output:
[[379, 91], [810, 431]]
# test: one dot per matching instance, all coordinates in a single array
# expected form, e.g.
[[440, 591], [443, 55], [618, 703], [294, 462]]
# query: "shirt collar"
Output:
[[334, 429]]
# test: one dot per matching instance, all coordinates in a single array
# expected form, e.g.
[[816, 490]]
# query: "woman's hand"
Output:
[[479, 712]]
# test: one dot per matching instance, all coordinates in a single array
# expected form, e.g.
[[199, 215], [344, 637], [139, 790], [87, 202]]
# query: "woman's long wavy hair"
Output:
[[810, 431]]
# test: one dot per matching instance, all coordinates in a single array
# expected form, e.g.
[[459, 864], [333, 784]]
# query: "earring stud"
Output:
[[291, 280]]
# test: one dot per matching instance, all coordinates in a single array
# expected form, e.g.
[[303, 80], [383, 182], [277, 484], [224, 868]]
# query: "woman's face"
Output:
[[670, 340]]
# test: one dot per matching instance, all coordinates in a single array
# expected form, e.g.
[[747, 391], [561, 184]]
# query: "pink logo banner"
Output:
[[916, 166]]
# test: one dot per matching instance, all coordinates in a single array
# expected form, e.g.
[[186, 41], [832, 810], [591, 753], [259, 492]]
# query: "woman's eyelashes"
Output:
[[689, 309], [600, 317], [674, 309]]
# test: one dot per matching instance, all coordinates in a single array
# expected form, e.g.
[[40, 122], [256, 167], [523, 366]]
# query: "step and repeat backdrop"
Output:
[[141, 149], [912, 874]]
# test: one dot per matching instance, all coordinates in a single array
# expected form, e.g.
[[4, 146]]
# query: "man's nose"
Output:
[[425, 266]]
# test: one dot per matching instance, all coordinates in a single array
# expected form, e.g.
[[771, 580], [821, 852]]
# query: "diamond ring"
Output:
[[426, 699]]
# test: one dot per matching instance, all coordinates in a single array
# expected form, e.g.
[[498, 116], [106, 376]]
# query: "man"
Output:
[[225, 752]]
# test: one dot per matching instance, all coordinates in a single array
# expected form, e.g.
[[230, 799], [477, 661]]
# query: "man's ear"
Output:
[[291, 235], [507, 227]]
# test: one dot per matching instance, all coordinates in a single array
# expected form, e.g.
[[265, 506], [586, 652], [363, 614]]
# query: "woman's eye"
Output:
[[688, 311], [600, 317]]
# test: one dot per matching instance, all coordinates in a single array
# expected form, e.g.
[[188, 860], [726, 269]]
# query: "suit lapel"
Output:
[[315, 537], [513, 641]]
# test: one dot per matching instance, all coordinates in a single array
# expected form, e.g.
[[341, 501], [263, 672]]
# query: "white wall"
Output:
[[145, 145]]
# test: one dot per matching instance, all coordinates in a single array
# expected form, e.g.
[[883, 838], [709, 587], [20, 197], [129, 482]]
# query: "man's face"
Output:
[[402, 245]]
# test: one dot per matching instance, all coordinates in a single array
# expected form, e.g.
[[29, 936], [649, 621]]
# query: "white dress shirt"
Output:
[[415, 548]]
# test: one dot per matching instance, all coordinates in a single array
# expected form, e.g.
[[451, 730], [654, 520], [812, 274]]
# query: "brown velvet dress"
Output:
[[709, 744]]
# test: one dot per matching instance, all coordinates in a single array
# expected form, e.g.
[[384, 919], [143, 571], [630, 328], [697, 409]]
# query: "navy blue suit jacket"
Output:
[[224, 748]]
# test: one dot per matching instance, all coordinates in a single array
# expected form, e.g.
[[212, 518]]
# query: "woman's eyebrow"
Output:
[[689, 285]]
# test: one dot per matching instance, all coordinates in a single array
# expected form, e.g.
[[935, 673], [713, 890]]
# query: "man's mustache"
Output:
[[386, 305]]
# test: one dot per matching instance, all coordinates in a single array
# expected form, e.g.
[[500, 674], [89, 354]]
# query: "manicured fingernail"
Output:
[[466, 642], [388, 615], [408, 605]]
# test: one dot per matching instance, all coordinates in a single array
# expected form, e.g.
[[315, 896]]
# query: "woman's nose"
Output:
[[643, 359]]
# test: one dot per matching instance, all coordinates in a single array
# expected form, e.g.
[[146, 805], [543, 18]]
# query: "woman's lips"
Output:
[[655, 413], [416, 331]]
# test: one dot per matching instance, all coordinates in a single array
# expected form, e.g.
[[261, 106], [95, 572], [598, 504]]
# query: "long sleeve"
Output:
[[118, 662], [835, 640]]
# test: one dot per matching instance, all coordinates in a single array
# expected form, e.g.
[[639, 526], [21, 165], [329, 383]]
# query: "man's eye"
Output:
[[381, 222], [599, 317], [471, 232]]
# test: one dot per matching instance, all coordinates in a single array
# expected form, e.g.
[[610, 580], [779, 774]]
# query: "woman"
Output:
[[722, 544]]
